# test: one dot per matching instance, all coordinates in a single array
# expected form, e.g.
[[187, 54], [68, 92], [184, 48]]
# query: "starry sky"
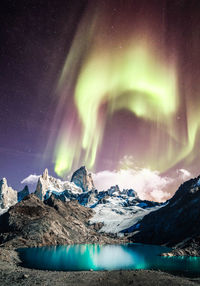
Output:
[[35, 38], [113, 85]]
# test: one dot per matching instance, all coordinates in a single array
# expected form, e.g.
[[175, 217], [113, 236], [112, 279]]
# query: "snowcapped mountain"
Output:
[[48, 185], [118, 210], [114, 209]]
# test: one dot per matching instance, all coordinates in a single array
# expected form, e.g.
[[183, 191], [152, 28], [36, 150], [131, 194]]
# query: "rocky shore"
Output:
[[11, 273]]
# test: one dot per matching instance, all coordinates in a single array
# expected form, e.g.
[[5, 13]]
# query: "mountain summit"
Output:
[[83, 179], [8, 196]]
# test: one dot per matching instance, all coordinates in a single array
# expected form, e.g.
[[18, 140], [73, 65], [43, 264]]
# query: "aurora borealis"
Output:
[[128, 79], [134, 70], [112, 85]]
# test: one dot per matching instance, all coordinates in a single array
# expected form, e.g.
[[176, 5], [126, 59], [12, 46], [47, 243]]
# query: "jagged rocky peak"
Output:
[[8, 196], [83, 179], [48, 185], [45, 175], [114, 190], [42, 185], [22, 194]]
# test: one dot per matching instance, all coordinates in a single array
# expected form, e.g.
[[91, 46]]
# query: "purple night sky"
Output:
[[69, 94]]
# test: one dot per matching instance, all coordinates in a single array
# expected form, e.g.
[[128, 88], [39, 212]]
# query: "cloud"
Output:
[[30, 180], [184, 174], [160, 196], [148, 184]]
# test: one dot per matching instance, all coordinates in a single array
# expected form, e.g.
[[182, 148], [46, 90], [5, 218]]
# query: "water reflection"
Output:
[[107, 257]]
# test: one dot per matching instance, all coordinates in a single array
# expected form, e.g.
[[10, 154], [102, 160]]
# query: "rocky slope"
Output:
[[32, 222], [175, 224]]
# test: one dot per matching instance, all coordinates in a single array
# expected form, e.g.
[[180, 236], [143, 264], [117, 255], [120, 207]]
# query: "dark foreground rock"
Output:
[[176, 224], [13, 274], [35, 223]]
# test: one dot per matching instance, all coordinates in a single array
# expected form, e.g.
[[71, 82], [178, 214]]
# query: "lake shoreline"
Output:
[[11, 273]]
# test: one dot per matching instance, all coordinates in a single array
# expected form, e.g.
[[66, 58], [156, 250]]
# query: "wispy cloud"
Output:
[[31, 179], [184, 174]]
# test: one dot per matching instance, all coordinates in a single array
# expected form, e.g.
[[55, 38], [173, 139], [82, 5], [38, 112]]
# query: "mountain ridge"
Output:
[[117, 212], [113, 209]]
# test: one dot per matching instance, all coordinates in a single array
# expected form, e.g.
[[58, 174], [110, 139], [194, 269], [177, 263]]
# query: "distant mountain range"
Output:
[[116, 209], [110, 212]]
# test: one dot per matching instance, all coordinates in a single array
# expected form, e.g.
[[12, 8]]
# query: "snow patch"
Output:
[[117, 218]]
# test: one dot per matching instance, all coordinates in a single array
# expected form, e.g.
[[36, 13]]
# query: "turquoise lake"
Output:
[[107, 257]]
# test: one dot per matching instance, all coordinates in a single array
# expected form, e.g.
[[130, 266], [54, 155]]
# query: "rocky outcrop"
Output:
[[113, 190], [22, 194], [42, 185], [189, 247], [35, 223], [8, 196], [130, 193], [83, 179], [176, 222]]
